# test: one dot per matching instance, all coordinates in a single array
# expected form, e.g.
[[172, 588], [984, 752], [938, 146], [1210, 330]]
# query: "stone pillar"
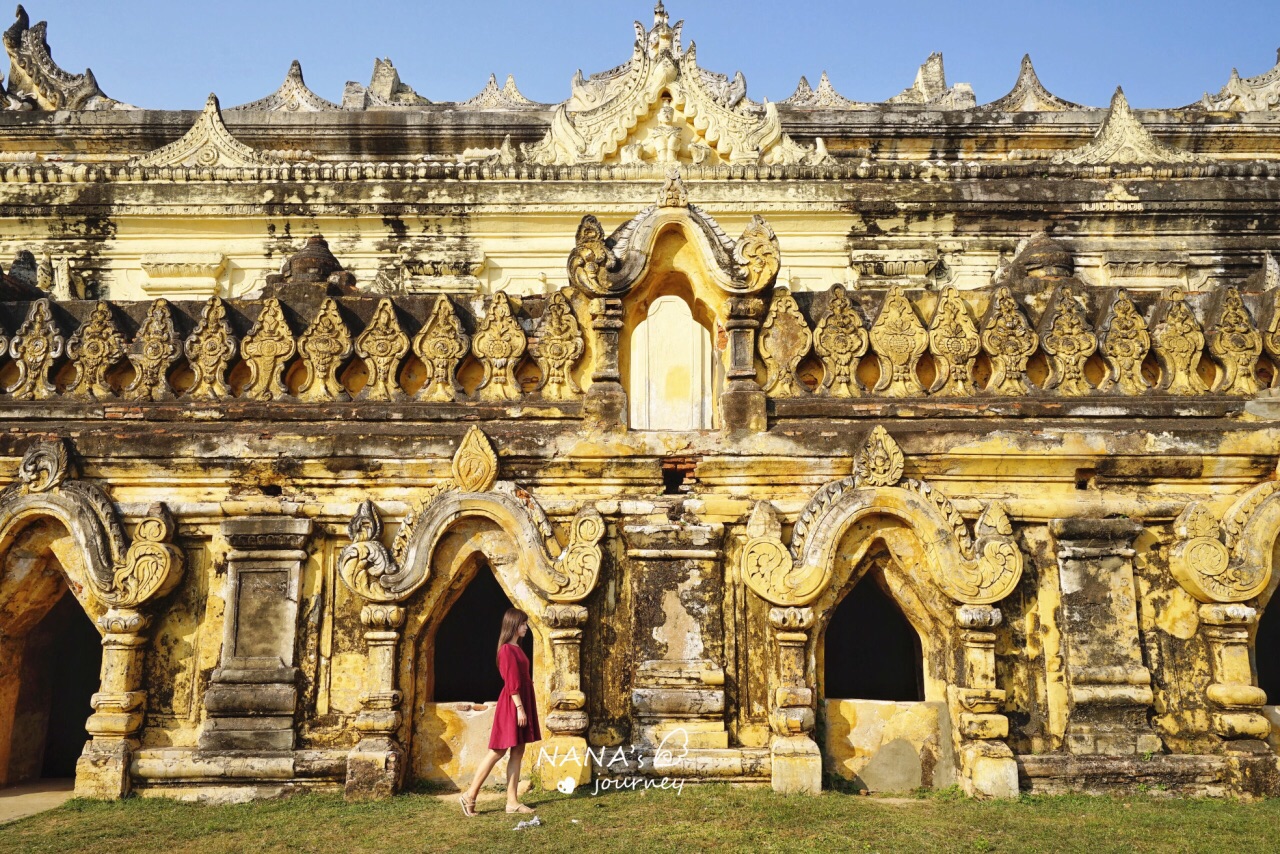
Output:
[[1236, 703], [1108, 688], [677, 692], [742, 405], [797, 761], [253, 695], [567, 719], [987, 764], [605, 403], [119, 708], [376, 764]]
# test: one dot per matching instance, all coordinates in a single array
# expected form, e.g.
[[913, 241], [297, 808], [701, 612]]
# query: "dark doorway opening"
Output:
[[61, 666], [871, 652], [466, 644], [1266, 654]]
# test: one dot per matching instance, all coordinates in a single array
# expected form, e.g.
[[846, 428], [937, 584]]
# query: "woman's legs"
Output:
[[482, 773], [513, 776]]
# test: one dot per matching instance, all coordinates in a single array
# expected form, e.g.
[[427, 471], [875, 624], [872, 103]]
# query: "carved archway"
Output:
[[468, 518], [949, 580], [112, 579]]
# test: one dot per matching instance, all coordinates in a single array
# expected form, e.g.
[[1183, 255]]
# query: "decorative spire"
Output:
[[508, 97], [1123, 139], [36, 79], [293, 96], [208, 143], [825, 97], [1029, 95], [1248, 93]]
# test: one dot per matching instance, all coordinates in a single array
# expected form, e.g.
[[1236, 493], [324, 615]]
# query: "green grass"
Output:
[[701, 818]]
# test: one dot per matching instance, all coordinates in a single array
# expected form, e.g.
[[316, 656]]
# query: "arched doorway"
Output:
[[672, 386], [884, 721], [464, 644], [50, 661]]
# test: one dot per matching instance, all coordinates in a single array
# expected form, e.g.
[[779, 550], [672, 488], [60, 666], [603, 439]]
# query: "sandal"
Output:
[[524, 809], [468, 806]]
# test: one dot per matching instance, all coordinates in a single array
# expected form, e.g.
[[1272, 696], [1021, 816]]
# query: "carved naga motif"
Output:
[[1179, 344], [954, 342], [1125, 342], [94, 349], [976, 569], [36, 80], [840, 342], [1231, 561], [499, 345], [266, 350], [154, 350], [441, 345], [382, 345], [559, 347], [380, 574], [899, 340], [1069, 342], [784, 342], [592, 259], [1235, 342], [35, 347], [757, 255], [1009, 341], [324, 347], [119, 575]]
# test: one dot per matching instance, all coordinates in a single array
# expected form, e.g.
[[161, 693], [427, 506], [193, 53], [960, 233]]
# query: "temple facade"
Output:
[[914, 443]]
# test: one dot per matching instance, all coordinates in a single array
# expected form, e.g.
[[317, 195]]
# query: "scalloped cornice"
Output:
[[1123, 139], [207, 144], [1029, 95], [293, 96]]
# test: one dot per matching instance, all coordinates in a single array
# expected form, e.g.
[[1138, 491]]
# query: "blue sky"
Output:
[[160, 54]]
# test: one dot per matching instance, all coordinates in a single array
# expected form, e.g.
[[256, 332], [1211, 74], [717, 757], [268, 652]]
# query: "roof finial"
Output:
[[660, 18]]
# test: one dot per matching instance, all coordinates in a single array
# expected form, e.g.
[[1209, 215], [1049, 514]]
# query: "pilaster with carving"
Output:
[[797, 760]]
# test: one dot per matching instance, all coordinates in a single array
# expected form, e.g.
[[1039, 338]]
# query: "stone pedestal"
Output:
[[1108, 688], [742, 404], [253, 694], [987, 765], [1236, 702], [565, 752], [605, 402]]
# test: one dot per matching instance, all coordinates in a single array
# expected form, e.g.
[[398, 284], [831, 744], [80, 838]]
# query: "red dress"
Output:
[[514, 667]]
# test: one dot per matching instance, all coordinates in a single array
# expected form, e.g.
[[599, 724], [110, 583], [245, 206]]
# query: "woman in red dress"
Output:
[[515, 720]]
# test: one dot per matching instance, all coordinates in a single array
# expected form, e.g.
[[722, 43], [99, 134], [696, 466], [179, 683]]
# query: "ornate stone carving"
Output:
[[1069, 342], [293, 96], [757, 254], [441, 344], [557, 349], [880, 462], [207, 144], [954, 342], [1179, 344], [363, 564], [1123, 139], [324, 347], [976, 569], [1247, 94], [94, 349], [499, 345], [1009, 341], [155, 349], [898, 339], [930, 89], [1236, 344], [151, 565], [825, 97], [1231, 562], [35, 348], [840, 342], [1029, 95], [312, 270], [508, 97], [385, 89], [382, 345], [35, 79], [267, 349], [1125, 342], [592, 259], [702, 112], [784, 342], [209, 349], [475, 464], [673, 193]]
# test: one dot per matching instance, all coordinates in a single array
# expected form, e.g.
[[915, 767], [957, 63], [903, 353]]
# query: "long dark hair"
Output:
[[511, 622]]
